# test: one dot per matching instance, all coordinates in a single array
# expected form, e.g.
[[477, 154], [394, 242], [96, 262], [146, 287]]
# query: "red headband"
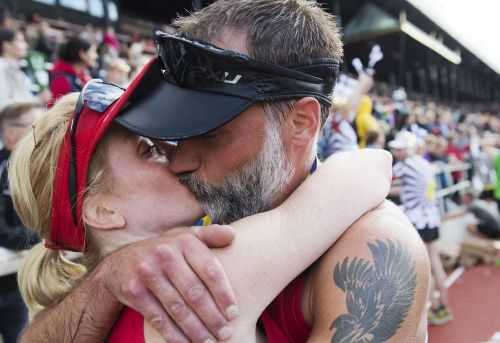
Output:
[[92, 125]]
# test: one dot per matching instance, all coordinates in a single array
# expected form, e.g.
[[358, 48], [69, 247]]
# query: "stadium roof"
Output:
[[475, 24]]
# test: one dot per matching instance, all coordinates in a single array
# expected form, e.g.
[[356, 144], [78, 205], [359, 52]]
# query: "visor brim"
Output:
[[164, 111]]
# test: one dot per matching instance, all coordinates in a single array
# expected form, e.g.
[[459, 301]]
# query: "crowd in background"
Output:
[[371, 115], [39, 64]]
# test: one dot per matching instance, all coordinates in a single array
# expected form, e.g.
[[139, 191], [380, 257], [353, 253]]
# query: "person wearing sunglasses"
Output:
[[244, 107], [102, 187]]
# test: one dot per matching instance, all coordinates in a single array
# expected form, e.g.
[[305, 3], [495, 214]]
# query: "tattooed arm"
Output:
[[371, 287]]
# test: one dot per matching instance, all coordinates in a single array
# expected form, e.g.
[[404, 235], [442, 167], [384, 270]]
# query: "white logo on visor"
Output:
[[235, 79]]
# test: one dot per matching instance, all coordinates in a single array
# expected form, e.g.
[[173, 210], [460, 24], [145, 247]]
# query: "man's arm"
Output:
[[85, 315], [372, 285], [162, 278]]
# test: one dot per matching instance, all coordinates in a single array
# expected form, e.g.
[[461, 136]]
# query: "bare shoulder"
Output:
[[372, 285]]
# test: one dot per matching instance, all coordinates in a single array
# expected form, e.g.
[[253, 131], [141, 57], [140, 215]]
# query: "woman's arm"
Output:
[[272, 248]]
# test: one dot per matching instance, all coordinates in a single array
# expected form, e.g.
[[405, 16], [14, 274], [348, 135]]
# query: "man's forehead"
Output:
[[232, 39]]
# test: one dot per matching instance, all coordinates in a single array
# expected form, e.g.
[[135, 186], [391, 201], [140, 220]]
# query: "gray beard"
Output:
[[251, 189]]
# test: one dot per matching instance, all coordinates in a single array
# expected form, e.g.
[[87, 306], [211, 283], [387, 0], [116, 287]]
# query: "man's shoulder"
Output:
[[378, 269], [386, 223]]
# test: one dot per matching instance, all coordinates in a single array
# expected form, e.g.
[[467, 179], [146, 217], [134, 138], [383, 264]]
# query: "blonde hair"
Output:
[[47, 276]]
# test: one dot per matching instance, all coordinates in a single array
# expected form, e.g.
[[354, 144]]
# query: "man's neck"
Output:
[[298, 176]]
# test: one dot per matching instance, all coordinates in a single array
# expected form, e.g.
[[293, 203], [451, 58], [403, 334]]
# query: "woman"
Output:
[[72, 71], [14, 84], [123, 183]]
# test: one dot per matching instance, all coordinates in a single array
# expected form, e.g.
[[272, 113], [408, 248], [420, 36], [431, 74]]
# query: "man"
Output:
[[232, 178]]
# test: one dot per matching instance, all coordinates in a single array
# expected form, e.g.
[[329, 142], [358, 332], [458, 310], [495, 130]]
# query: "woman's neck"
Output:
[[79, 67]]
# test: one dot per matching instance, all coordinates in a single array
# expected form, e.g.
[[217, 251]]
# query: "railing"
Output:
[[452, 179]]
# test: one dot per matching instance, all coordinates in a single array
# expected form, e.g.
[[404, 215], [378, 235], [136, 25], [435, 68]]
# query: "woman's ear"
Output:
[[100, 216]]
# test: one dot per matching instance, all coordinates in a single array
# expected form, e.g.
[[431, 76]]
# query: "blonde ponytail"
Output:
[[47, 276]]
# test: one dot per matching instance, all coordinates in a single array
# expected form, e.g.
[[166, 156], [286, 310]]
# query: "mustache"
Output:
[[194, 184]]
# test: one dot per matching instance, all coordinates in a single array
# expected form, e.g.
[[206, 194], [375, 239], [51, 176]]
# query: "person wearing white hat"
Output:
[[417, 193]]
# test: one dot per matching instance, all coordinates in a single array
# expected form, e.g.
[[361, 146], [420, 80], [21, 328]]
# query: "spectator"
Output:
[[5, 19], [15, 120], [365, 121], [337, 134], [486, 216], [497, 186], [40, 36], [111, 41], [375, 139], [14, 84], [418, 200], [117, 72], [72, 71]]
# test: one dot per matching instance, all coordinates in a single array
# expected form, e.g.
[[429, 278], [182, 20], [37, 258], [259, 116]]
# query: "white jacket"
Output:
[[14, 84]]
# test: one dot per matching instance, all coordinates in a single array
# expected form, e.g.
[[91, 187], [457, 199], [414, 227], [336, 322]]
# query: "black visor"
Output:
[[199, 87]]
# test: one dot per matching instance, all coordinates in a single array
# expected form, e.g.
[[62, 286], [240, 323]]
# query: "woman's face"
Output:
[[18, 48], [89, 57], [144, 191]]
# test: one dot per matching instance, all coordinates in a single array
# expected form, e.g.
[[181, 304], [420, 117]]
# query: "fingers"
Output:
[[173, 303], [177, 284], [192, 289], [211, 272], [216, 236], [145, 303]]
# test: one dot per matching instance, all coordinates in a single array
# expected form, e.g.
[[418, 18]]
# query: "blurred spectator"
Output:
[[91, 35], [362, 103], [40, 37], [5, 19], [336, 135], [375, 139], [15, 121], [497, 171], [485, 213], [71, 71], [417, 192], [117, 72], [111, 41], [14, 84]]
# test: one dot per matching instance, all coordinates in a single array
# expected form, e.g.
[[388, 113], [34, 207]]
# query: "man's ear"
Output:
[[305, 120], [100, 216]]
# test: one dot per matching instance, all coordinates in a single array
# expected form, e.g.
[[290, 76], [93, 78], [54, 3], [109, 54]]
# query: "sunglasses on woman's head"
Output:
[[96, 95]]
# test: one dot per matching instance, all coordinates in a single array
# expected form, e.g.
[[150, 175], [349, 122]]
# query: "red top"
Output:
[[65, 79], [283, 320], [129, 328]]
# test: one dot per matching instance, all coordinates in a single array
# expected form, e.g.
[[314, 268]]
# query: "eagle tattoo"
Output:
[[378, 295]]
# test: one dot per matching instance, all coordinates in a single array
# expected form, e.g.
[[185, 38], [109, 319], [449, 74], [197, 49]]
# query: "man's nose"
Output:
[[184, 158]]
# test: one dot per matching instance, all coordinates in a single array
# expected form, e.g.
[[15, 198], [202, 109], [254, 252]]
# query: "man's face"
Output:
[[237, 170]]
